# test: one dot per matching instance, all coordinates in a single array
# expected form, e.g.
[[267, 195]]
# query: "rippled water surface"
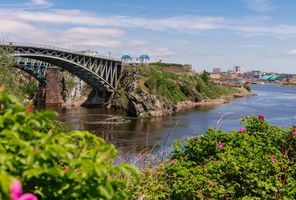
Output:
[[276, 103]]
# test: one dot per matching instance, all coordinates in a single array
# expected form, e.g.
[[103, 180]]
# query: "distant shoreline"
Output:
[[212, 102]]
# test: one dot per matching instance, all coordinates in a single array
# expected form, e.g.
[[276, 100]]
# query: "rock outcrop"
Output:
[[135, 100], [145, 105], [134, 97], [144, 92], [75, 91]]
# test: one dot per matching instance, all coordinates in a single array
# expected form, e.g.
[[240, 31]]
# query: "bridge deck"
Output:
[[97, 71]]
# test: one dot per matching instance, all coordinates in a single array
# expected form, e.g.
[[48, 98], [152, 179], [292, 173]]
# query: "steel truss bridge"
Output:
[[99, 72]]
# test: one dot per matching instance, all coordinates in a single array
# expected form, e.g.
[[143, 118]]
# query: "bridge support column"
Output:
[[96, 98], [53, 88]]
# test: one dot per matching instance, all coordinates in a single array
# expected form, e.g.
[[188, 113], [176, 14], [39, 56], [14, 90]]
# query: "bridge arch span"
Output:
[[88, 76], [35, 68], [101, 73]]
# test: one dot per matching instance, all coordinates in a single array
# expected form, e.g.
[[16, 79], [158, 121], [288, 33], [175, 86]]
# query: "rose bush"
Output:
[[74, 165], [255, 162]]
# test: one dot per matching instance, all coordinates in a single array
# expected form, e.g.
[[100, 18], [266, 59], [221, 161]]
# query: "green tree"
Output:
[[205, 76], [12, 80], [7, 78]]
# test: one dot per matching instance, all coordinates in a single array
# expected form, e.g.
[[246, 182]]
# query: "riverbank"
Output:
[[130, 137], [293, 85], [155, 90], [181, 105], [211, 102]]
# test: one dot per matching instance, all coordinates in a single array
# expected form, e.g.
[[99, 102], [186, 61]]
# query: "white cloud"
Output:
[[159, 52], [136, 42], [87, 29], [154, 53], [252, 46], [277, 31], [291, 52], [40, 2], [112, 32], [189, 24], [259, 5], [12, 26], [20, 31], [69, 12], [32, 4], [80, 18]]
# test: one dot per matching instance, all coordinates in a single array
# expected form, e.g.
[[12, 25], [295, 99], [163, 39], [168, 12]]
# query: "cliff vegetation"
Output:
[[157, 89]]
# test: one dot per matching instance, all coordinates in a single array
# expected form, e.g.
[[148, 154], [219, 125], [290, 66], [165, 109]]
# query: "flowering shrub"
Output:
[[242, 130], [256, 162], [75, 165], [16, 192]]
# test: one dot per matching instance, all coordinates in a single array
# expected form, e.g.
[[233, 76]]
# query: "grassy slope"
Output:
[[180, 87], [170, 85]]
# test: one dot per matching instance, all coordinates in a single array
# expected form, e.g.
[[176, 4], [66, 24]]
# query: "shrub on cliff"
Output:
[[165, 86], [181, 87], [247, 87], [255, 162], [75, 165], [205, 76]]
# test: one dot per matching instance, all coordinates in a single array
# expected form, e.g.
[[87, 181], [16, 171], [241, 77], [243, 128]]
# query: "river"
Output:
[[276, 103]]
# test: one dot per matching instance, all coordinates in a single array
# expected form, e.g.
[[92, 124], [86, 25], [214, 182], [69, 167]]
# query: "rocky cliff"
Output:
[[152, 91], [135, 100], [74, 90]]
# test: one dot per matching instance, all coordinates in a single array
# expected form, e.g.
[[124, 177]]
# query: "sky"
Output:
[[254, 34]]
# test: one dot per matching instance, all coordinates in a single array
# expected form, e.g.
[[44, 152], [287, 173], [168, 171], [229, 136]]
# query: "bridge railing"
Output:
[[34, 45]]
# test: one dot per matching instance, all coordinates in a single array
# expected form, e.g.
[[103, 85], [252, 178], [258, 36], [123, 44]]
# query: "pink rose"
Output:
[[273, 160], [220, 145], [262, 118], [242, 130], [16, 192], [173, 161]]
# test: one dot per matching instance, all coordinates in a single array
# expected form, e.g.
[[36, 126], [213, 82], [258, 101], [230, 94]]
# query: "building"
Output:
[[253, 75], [217, 70], [229, 72], [215, 77], [291, 80], [238, 69], [273, 77], [256, 74]]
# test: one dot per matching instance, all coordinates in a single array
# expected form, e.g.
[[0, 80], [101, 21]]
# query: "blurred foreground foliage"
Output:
[[53, 164]]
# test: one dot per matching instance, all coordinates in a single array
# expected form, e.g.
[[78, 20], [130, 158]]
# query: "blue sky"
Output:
[[256, 34]]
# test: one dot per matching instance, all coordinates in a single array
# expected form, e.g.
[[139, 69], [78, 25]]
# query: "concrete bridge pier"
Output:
[[53, 87], [50, 92]]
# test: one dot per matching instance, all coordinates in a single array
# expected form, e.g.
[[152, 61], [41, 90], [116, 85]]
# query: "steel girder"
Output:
[[35, 68], [96, 71]]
